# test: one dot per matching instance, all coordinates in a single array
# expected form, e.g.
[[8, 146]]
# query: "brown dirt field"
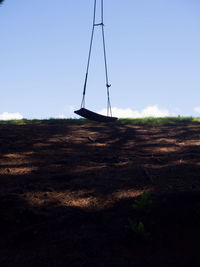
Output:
[[66, 195]]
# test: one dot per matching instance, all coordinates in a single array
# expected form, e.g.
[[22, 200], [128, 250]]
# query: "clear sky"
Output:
[[153, 57]]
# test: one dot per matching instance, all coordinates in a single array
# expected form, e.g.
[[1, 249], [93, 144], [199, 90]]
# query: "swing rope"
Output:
[[101, 24]]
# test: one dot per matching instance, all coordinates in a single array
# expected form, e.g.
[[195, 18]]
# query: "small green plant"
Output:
[[138, 229], [144, 203]]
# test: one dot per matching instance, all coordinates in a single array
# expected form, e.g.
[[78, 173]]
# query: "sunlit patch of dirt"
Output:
[[98, 144], [164, 149], [81, 199], [129, 144], [17, 171], [124, 194], [123, 163], [42, 145], [14, 156], [28, 153], [65, 199], [195, 143]]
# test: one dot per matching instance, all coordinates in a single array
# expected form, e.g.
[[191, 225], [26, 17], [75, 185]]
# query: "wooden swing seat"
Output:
[[90, 115]]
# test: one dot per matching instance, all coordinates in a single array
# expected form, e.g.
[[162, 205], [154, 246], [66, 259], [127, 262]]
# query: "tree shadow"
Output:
[[67, 192]]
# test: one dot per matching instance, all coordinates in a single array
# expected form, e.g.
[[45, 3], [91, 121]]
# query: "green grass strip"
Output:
[[149, 121]]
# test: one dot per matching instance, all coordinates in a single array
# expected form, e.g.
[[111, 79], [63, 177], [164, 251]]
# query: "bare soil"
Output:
[[67, 194]]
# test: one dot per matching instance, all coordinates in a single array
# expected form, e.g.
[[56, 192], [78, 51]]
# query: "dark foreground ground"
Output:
[[67, 195]]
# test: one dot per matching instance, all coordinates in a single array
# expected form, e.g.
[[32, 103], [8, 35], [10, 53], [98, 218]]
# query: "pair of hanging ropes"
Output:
[[101, 24]]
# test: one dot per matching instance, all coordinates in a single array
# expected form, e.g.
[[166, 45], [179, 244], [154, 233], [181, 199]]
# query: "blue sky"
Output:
[[153, 57]]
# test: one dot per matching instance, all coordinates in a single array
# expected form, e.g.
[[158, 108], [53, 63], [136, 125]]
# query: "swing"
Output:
[[83, 112]]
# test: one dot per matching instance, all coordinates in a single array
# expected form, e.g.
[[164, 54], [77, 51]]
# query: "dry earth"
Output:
[[66, 195]]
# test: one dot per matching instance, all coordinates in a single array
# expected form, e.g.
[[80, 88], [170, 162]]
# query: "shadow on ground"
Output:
[[67, 193]]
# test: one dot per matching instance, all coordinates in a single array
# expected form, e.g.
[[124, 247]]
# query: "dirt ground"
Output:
[[67, 194]]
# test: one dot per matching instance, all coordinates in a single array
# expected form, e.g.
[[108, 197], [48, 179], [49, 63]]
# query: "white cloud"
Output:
[[154, 111], [150, 111], [61, 116], [10, 116], [67, 113], [71, 110], [197, 109]]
